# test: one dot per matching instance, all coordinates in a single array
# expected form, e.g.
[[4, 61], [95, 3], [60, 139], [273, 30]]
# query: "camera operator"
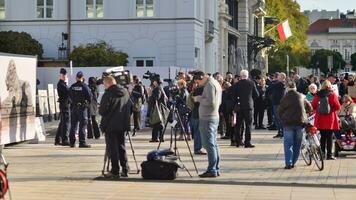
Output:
[[183, 110], [115, 108], [138, 98], [93, 128], [157, 97]]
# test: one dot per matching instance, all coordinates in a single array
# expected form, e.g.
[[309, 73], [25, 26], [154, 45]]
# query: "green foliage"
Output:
[[353, 61], [98, 54], [296, 46], [320, 60], [19, 43]]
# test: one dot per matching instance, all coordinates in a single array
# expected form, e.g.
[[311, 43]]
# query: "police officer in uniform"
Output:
[[80, 96], [63, 94]]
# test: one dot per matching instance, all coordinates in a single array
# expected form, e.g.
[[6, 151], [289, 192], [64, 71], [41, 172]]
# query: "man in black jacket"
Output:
[[244, 92], [63, 99], [115, 108], [278, 91]]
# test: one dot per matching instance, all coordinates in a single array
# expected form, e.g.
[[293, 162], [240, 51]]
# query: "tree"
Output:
[[353, 61], [98, 54], [320, 60], [296, 46], [19, 43]]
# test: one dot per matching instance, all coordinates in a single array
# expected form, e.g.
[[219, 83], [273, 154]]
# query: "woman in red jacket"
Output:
[[327, 123]]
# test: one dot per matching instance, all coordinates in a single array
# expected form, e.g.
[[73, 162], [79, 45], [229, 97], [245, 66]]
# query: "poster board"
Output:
[[43, 102], [17, 97], [51, 100], [56, 101]]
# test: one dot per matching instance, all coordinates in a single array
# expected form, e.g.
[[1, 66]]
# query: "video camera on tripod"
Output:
[[122, 76]]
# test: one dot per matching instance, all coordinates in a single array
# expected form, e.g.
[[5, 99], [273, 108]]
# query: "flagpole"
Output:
[[274, 26]]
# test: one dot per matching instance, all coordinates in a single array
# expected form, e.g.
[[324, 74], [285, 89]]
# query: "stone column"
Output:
[[243, 24], [223, 37]]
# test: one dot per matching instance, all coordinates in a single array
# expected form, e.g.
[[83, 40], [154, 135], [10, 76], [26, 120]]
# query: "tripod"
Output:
[[174, 114], [107, 157]]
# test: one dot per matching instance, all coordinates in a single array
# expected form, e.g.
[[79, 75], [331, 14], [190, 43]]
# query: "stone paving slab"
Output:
[[45, 171]]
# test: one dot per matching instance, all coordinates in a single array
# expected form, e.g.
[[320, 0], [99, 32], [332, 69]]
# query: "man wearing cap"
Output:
[[63, 99], [80, 97]]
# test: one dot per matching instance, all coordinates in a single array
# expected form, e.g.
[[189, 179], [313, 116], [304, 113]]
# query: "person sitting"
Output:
[[348, 108]]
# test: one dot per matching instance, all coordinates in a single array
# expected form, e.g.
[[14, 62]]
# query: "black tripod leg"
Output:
[[186, 141], [184, 167], [133, 153], [164, 130]]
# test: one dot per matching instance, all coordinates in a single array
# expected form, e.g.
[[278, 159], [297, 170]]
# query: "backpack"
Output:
[[323, 105]]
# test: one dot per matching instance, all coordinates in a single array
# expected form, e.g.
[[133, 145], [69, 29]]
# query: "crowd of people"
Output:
[[208, 105]]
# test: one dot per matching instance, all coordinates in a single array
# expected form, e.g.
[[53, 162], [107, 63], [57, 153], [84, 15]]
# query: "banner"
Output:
[[17, 98]]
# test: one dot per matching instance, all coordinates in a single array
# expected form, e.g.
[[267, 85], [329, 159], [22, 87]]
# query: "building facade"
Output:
[[315, 15], [334, 34], [212, 35]]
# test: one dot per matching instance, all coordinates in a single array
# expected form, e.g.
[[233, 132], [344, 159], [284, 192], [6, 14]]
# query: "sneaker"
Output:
[[57, 143], [330, 158], [288, 167], [72, 145], [233, 144], [200, 152], [278, 136], [249, 146], [151, 141], [111, 175], [208, 175], [84, 146]]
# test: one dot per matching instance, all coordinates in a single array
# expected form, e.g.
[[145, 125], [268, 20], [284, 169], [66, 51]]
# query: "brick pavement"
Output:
[[43, 171]]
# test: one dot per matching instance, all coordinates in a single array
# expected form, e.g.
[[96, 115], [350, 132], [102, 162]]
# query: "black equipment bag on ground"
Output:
[[159, 170]]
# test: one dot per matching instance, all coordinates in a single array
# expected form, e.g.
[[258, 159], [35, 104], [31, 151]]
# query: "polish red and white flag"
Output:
[[284, 31]]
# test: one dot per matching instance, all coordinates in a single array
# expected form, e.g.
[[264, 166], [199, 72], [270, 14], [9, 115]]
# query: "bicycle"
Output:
[[311, 148]]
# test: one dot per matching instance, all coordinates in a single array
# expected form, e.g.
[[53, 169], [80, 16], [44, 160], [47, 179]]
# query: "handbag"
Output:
[[159, 170], [155, 116]]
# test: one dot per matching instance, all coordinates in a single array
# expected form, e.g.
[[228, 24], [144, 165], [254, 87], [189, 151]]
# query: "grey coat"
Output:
[[293, 109]]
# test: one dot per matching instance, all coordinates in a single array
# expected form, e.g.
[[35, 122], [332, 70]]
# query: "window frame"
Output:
[[4, 10], [144, 60], [95, 9], [45, 7], [145, 6]]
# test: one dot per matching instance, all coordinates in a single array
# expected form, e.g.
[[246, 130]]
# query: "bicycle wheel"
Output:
[[306, 155], [318, 158]]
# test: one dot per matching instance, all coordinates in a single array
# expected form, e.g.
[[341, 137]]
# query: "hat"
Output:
[[80, 74], [63, 71]]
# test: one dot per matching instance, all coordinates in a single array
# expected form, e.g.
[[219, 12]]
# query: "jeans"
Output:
[[194, 122], [208, 132], [78, 115], [277, 120], [293, 137]]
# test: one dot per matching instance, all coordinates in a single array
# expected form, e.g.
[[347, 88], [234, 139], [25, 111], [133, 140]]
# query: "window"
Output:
[[347, 53], [144, 8], [95, 9], [144, 62], [2, 9], [44, 9], [233, 12]]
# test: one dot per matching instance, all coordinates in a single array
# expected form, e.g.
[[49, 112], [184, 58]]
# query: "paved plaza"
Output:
[[44, 171]]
